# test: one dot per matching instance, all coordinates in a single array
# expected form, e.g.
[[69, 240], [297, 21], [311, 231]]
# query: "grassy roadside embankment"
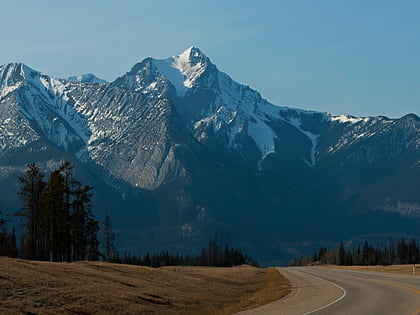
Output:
[[96, 287], [400, 269]]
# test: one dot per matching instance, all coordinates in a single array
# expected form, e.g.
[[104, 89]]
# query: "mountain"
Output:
[[88, 78], [177, 151]]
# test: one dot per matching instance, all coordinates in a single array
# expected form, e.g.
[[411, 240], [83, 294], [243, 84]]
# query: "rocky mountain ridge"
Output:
[[188, 151]]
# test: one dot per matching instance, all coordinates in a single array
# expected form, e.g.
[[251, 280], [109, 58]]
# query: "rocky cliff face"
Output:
[[182, 149]]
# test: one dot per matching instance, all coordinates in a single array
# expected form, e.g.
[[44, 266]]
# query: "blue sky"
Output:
[[355, 57]]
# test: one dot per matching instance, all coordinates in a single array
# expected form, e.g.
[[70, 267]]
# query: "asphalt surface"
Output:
[[333, 291]]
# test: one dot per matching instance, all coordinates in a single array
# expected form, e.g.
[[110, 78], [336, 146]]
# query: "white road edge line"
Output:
[[333, 302]]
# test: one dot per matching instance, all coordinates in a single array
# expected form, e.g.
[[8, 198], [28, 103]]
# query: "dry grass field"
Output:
[[401, 269], [32, 287]]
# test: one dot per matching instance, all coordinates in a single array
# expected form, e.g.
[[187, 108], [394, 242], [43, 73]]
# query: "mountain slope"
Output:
[[222, 114], [118, 137], [179, 151]]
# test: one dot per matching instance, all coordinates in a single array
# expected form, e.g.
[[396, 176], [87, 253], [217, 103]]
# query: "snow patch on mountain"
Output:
[[312, 137], [248, 103], [235, 109], [172, 74], [346, 119], [184, 63], [404, 208], [8, 80], [5, 90], [180, 70]]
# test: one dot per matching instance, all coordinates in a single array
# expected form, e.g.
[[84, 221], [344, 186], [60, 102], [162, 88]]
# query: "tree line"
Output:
[[404, 252], [58, 223], [214, 255]]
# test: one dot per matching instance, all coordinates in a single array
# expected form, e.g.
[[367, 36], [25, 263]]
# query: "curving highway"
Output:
[[322, 291]]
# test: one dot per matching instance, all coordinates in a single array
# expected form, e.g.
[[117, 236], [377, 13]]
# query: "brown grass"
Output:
[[400, 269], [34, 287]]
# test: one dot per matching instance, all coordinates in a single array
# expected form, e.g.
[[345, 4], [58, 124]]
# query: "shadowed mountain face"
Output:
[[177, 151]]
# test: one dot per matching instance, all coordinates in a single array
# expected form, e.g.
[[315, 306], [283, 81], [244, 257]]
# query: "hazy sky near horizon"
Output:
[[343, 57]]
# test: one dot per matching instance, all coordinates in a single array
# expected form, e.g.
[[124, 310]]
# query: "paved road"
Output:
[[322, 291]]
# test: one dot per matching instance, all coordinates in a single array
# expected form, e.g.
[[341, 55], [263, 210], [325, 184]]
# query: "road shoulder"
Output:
[[308, 293]]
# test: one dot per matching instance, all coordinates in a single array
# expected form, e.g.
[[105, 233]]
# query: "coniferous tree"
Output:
[[227, 259], [323, 255], [109, 237], [348, 260], [147, 261], [70, 186], [56, 210], [391, 251], [3, 237], [8, 246], [214, 252], [2, 227], [59, 224], [31, 194], [92, 228], [413, 252], [13, 244], [80, 213], [402, 251], [203, 258], [341, 254]]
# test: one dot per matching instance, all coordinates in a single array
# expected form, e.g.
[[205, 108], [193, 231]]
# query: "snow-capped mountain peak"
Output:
[[215, 107], [13, 75], [87, 78], [233, 118], [183, 70], [45, 102], [172, 77], [12, 72], [347, 119]]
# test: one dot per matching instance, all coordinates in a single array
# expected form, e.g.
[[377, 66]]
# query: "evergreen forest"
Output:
[[58, 225], [403, 252]]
